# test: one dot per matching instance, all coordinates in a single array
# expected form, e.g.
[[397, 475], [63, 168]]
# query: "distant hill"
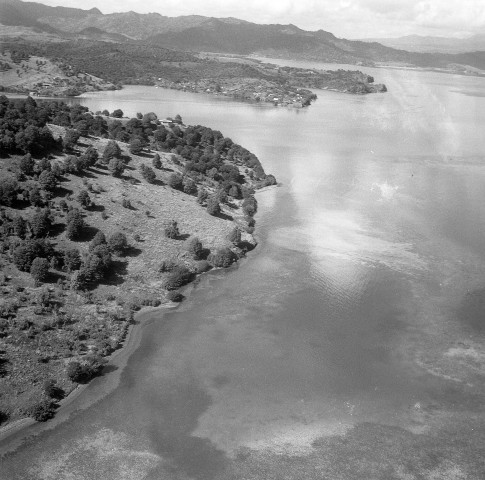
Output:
[[195, 33], [417, 43]]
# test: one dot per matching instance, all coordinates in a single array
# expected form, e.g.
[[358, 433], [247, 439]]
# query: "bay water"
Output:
[[348, 345]]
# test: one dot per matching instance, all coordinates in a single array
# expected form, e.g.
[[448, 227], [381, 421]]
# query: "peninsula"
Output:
[[101, 215]]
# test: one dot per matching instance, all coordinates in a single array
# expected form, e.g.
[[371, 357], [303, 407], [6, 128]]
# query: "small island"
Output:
[[101, 216]]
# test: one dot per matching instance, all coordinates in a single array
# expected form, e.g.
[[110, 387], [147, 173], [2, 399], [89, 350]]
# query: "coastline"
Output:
[[117, 359], [108, 381]]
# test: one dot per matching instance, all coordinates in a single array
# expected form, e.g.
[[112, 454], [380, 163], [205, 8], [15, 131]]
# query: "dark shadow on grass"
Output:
[[132, 251], [224, 216], [97, 208], [158, 182], [182, 236], [117, 271], [62, 192], [87, 234], [56, 229], [205, 252]]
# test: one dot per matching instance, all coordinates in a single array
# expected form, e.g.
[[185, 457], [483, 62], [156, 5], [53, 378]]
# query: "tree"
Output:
[[99, 239], [235, 236], [25, 253], [178, 277], [42, 410], [47, 180], [223, 257], [72, 259], [175, 181], [250, 206], [20, 226], [189, 186], [70, 139], [139, 115], [194, 246], [117, 243], [84, 199], [8, 190], [118, 113], [116, 167], [41, 223], [136, 146], [39, 269], [112, 150], [171, 230], [213, 207], [178, 119], [147, 173], [27, 164], [91, 156], [35, 197], [156, 162], [202, 195], [75, 224]]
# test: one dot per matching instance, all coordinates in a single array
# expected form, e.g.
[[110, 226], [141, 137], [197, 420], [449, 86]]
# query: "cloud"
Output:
[[344, 18]]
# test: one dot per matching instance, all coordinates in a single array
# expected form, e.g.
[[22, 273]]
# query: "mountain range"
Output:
[[196, 33], [418, 43]]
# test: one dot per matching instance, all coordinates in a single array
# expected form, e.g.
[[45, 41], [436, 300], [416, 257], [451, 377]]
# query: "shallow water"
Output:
[[350, 343]]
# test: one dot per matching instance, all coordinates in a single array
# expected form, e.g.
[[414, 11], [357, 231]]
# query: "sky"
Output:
[[344, 18]]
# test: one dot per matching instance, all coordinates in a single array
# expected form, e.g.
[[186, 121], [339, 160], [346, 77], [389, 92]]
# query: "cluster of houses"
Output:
[[253, 90]]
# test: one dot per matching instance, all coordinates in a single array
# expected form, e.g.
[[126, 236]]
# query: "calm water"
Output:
[[350, 344]]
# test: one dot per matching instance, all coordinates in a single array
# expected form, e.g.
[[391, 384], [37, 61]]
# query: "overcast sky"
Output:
[[344, 18]]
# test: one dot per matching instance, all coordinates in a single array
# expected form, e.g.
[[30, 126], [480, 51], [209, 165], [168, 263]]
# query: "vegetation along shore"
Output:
[[100, 216]]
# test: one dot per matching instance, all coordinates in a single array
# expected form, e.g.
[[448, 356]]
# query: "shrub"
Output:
[[156, 162], [118, 113], [117, 243], [222, 257], [171, 230], [125, 203], [189, 186], [39, 269], [42, 411], [213, 207], [178, 277], [175, 181], [194, 246]]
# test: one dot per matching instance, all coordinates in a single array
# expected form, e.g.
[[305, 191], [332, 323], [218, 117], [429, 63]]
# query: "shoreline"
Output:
[[119, 358]]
